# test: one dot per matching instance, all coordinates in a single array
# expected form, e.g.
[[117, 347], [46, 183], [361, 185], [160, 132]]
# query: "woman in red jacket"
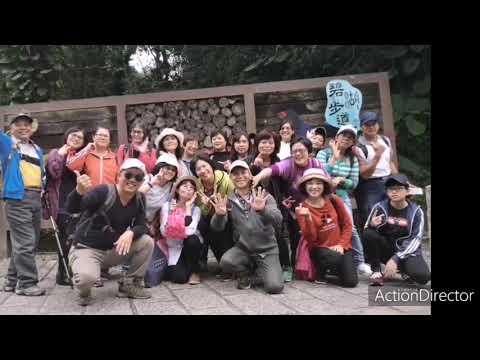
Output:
[[327, 228]]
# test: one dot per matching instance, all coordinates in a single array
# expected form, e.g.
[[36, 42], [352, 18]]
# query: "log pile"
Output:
[[196, 117]]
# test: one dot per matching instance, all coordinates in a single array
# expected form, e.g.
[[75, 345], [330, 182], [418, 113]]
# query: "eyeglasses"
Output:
[[105, 136], [137, 177], [396, 188], [137, 132], [79, 137], [299, 151]]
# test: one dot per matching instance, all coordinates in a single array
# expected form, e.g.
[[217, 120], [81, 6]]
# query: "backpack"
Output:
[[175, 228], [87, 218], [364, 147]]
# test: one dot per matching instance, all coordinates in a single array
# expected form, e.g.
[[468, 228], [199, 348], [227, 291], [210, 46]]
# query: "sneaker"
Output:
[[8, 287], [84, 298], [30, 291], [322, 280], [132, 291], [243, 282], [224, 277], [364, 269], [194, 279], [287, 274]]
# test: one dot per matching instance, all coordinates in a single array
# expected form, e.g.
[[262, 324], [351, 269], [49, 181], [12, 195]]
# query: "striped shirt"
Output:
[[341, 168]]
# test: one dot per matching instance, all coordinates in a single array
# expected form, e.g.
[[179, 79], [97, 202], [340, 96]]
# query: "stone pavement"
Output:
[[212, 297]]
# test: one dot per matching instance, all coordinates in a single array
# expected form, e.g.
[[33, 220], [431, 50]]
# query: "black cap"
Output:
[[22, 116], [397, 179]]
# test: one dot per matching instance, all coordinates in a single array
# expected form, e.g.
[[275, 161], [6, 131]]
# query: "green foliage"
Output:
[[32, 73]]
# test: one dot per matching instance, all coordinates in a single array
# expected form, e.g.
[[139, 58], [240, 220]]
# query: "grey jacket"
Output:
[[256, 231]]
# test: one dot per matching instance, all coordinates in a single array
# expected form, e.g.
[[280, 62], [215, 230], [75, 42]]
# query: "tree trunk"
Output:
[[159, 110], [232, 120], [139, 109], [223, 102], [203, 105], [226, 112], [209, 128], [196, 115], [149, 117], [213, 109], [160, 123], [179, 105], [238, 109], [219, 121], [131, 115], [192, 104]]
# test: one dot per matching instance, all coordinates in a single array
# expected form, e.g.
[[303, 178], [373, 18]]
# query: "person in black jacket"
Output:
[[393, 235], [111, 235]]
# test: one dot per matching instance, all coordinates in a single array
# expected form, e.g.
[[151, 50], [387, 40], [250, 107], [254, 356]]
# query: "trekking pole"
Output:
[[46, 203]]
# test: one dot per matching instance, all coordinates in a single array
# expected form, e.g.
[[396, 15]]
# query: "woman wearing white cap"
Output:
[[342, 165], [171, 141], [326, 228], [158, 186]]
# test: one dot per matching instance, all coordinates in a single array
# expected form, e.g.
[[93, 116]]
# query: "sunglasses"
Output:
[[137, 177]]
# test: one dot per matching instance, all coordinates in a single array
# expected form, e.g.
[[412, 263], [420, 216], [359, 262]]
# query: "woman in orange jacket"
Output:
[[97, 160]]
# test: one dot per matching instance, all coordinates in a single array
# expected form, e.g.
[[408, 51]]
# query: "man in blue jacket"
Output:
[[23, 173]]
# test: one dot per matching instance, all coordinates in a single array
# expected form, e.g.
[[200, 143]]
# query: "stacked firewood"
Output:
[[196, 117]]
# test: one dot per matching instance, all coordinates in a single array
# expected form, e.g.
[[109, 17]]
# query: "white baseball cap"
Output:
[[239, 163], [133, 163], [168, 159], [348, 128]]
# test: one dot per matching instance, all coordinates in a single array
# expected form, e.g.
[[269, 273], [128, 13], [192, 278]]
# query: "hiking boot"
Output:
[[98, 283], [243, 282], [8, 287], [84, 298], [62, 279], [132, 291], [287, 274], [31, 291]]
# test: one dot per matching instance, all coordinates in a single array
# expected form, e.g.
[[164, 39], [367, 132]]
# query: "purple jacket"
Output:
[[55, 167]]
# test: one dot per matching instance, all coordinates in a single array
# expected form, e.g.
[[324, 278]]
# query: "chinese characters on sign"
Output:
[[343, 105]]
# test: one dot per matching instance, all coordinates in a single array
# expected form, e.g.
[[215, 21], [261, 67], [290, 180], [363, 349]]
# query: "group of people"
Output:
[[271, 207]]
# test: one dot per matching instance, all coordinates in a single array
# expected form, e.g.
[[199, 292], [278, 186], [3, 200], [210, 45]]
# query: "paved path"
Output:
[[212, 297]]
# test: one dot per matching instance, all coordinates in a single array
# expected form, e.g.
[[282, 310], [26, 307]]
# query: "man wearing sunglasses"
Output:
[[114, 236]]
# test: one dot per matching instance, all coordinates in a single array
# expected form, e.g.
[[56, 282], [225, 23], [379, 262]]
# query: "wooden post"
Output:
[[387, 113], [122, 124], [428, 190], [3, 232], [250, 112]]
